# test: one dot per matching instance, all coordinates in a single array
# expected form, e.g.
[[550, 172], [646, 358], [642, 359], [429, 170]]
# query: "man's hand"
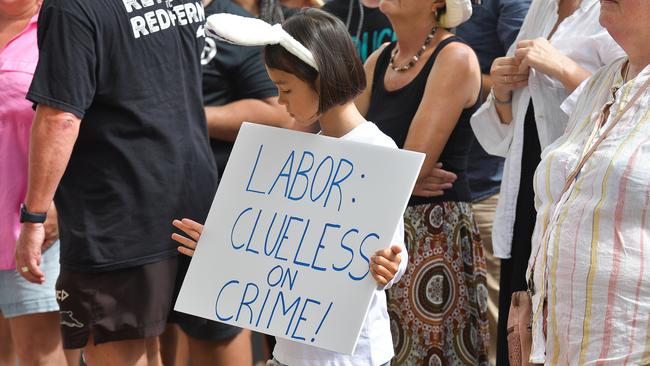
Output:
[[51, 228], [28, 252]]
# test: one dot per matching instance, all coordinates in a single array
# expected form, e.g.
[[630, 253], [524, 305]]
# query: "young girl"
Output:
[[318, 74]]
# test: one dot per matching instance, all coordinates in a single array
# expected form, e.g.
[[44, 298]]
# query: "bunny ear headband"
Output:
[[246, 31], [458, 11]]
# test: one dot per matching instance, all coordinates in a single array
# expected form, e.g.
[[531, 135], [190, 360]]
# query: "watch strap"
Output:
[[32, 217]]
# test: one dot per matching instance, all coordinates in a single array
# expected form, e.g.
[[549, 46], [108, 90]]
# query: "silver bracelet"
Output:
[[498, 101]]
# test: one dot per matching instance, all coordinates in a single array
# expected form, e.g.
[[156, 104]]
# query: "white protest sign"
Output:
[[286, 246]]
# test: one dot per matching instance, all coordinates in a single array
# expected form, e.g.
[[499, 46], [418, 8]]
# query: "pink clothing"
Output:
[[17, 64]]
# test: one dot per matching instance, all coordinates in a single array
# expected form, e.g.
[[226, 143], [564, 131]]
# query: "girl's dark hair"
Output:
[[341, 72]]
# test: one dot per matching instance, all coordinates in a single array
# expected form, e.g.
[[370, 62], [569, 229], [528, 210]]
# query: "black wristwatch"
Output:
[[35, 218]]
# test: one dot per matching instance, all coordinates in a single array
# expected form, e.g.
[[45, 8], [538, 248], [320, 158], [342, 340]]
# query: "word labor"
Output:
[[160, 19], [304, 179], [271, 304]]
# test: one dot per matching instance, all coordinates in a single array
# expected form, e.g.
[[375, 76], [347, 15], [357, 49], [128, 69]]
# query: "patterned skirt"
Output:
[[438, 310]]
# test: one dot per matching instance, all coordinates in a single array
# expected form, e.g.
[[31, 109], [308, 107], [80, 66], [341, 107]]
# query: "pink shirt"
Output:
[[17, 64]]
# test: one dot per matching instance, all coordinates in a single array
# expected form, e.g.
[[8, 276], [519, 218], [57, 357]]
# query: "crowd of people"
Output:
[[117, 117]]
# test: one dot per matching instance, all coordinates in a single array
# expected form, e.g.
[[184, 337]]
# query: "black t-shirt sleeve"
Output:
[[65, 74], [252, 80]]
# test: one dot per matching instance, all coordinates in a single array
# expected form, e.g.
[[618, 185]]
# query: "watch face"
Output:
[[23, 210]]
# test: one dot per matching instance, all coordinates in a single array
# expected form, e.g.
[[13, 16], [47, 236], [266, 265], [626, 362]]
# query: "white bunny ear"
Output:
[[246, 31], [457, 12], [240, 30], [294, 47]]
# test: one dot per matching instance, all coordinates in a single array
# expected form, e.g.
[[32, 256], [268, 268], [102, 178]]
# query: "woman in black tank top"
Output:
[[423, 97]]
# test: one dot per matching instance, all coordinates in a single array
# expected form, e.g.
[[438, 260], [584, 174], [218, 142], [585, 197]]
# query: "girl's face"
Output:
[[300, 99]]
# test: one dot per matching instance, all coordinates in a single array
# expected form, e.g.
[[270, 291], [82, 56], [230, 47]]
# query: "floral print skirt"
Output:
[[438, 310]]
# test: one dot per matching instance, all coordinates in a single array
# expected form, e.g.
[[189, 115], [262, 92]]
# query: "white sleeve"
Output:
[[398, 239], [495, 137]]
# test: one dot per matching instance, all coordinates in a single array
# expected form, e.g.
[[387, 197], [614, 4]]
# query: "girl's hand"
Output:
[[193, 229], [385, 263]]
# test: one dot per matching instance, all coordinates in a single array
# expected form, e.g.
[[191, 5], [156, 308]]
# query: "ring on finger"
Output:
[[507, 79], [24, 269]]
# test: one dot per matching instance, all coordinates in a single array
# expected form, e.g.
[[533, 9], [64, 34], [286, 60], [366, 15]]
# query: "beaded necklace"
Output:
[[416, 57]]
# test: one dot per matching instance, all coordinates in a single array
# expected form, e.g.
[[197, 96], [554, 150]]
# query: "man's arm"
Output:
[[53, 136], [224, 121], [511, 16]]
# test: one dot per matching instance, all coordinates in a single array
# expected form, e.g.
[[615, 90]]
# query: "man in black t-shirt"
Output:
[[120, 129], [236, 88]]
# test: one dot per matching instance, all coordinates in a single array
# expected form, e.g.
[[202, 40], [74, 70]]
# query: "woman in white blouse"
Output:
[[591, 247], [560, 44]]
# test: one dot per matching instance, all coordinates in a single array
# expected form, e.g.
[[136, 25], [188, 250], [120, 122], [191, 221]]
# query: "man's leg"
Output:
[[120, 353], [210, 342], [174, 347], [235, 351], [73, 356], [153, 351], [7, 354], [484, 214], [37, 339]]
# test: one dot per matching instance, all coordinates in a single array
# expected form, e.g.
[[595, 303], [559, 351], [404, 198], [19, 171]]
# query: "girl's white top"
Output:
[[581, 38], [375, 345]]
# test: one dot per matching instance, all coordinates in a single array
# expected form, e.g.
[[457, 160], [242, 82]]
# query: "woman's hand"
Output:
[[543, 57], [193, 229], [508, 74], [385, 263], [435, 183]]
